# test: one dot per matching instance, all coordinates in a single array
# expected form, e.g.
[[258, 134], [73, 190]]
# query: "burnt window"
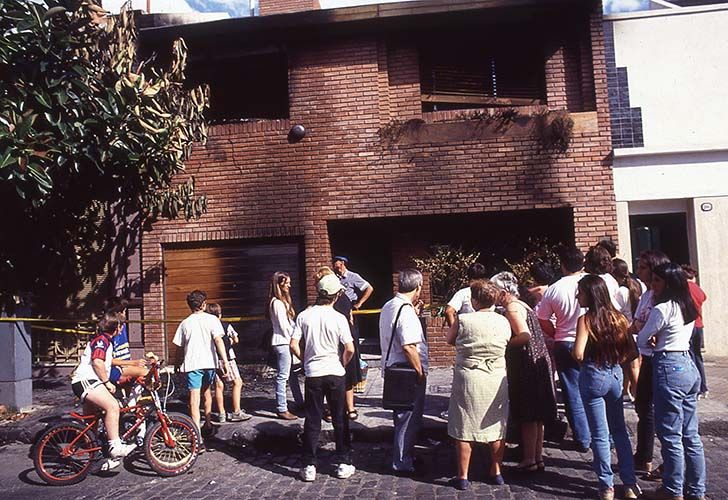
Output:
[[470, 72], [244, 87]]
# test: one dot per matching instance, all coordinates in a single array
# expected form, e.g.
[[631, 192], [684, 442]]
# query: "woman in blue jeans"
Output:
[[281, 314], [675, 383], [602, 346]]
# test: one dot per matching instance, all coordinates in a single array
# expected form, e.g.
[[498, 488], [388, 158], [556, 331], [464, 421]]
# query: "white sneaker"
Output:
[[308, 473], [121, 450], [345, 471], [109, 464]]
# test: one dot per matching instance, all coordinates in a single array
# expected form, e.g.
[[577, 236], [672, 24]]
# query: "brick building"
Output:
[[426, 122]]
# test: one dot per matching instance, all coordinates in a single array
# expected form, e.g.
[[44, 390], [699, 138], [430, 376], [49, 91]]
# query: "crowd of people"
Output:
[[604, 334]]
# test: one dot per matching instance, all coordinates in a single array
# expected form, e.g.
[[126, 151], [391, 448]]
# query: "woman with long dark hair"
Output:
[[675, 384], [648, 260], [602, 345], [281, 314]]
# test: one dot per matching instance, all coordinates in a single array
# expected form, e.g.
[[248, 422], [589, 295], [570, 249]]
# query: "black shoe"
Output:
[[459, 484]]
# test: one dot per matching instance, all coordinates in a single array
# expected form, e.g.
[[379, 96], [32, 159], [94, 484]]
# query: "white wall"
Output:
[[677, 67], [711, 229]]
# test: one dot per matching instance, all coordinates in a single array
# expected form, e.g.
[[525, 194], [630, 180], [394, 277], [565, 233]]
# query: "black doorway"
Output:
[[665, 232]]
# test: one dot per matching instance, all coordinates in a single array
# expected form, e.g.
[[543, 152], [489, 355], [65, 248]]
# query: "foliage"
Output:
[[390, 133], [447, 267], [90, 141], [554, 131], [533, 251]]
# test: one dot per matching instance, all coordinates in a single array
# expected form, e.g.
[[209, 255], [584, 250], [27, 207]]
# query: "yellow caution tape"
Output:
[[234, 319]]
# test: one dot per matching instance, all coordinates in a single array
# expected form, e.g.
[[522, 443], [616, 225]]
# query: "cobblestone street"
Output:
[[236, 470]]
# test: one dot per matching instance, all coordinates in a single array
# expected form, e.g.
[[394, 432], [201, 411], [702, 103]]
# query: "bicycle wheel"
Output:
[[55, 468], [177, 459]]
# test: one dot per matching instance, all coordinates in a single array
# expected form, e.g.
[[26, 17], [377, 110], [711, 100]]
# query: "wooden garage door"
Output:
[[235, 275]]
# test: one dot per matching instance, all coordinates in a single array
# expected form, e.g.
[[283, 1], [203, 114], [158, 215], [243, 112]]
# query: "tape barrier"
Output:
[[38, 323]]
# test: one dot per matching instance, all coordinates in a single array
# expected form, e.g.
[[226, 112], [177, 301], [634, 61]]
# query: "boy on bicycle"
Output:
[[90, 381], [123, 368]]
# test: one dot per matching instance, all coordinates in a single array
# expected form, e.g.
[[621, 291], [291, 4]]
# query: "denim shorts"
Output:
[[198, 379]]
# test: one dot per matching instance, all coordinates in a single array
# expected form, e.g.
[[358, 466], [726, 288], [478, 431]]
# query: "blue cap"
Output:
[[341, 258]]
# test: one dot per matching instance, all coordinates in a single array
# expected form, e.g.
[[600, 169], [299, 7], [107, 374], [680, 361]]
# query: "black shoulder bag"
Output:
[[400, 379]]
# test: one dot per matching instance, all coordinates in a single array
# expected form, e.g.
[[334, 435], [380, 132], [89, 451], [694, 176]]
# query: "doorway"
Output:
[[667, 232]]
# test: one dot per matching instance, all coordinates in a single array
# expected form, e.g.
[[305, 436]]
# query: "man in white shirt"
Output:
[[323, 330], [408, 346], [200, 335], [559, 302], [460, 301]]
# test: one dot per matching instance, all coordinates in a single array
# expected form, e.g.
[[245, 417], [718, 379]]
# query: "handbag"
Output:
[[400, 379]]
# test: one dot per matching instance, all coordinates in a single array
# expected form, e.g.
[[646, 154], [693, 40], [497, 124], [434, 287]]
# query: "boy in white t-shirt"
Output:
[[321, 330], [200, 335]]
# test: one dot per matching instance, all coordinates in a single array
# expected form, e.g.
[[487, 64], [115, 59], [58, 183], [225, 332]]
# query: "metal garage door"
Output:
[[234, 274]]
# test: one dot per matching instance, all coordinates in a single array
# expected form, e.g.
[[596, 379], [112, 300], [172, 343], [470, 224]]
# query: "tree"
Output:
[[91, 144]]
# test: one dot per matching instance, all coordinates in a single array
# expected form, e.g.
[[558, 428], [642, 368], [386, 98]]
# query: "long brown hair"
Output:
[[608, 342], [275, 291], [620, 271]]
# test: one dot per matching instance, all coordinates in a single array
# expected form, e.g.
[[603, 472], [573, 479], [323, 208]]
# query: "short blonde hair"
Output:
[[322, 271], [484, 293]]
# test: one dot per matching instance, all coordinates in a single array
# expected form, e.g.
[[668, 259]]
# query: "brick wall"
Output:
[[260, 186], [269, 7]]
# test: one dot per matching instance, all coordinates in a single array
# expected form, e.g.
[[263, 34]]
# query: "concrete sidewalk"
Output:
[[53, 399]]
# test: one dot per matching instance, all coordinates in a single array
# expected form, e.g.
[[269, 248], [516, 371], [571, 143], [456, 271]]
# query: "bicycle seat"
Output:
[[79, 416]]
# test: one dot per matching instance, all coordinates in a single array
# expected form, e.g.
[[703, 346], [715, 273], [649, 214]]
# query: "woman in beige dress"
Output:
[[479, 402]]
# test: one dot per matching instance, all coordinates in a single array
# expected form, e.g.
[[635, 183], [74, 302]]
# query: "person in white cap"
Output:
[[319, 332]]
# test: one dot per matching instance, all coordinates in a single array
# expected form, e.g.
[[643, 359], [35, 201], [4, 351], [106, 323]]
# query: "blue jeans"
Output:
[[407, 425], [283, 353], [676, 383], [568, 370], [601, 391]]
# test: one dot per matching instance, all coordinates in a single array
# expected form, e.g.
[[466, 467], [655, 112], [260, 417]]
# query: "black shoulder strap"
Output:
[[394, 329]]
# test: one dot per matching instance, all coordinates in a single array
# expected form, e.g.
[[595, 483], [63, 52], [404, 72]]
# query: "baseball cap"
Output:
[[329, 284], [341, 258]]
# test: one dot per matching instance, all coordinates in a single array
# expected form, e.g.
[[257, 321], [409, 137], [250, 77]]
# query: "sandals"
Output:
[[353, 414], [654, 475], [527, 469], [531, 468]]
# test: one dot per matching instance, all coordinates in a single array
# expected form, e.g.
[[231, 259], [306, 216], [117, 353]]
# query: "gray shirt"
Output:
[[354, 285]]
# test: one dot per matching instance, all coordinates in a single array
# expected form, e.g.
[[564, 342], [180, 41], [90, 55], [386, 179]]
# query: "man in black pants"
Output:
[[323, 330]]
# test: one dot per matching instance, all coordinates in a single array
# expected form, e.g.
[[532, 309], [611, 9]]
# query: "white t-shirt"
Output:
[[461, 301], [195, 334], [613, 287], [666, 323], [282, 324], [623, 304], [408, 331], [323, 329], [559, 301]]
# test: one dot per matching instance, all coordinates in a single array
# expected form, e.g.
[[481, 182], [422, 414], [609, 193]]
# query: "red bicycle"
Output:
[[67, 452]]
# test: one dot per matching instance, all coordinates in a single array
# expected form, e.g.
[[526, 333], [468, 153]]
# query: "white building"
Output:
[[669, 105]]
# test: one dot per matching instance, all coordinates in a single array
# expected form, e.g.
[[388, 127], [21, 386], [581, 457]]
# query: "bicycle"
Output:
[[67, 452]]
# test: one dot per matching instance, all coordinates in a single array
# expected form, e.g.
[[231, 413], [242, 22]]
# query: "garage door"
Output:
[[235, 275]]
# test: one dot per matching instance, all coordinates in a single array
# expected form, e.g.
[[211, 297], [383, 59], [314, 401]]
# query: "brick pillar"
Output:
[[556, 77], [318, 253]]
